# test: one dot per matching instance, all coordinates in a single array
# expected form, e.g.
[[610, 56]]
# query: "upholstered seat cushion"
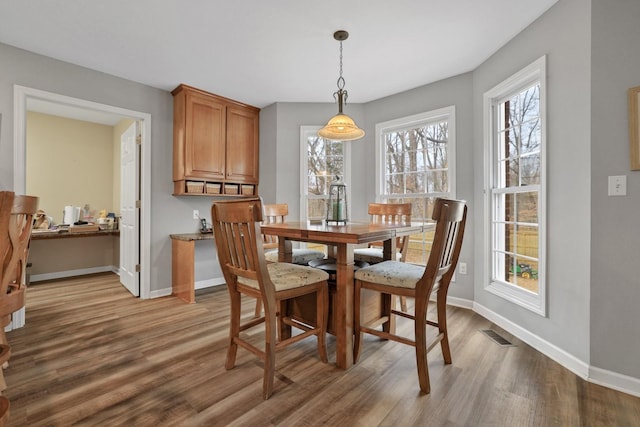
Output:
[[288, 276], [392, 273], [371, 255], [299, 256]]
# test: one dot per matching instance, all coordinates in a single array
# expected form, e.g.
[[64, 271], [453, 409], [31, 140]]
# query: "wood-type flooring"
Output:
[[93, 355]]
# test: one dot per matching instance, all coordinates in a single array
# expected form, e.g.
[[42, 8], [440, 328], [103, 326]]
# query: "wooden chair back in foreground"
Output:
[[236, 226], [393, 278], [276, 213]]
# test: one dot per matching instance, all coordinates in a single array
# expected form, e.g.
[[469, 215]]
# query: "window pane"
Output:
[[530, 137], [316, 208], [526, 274], [527, 204], [509, 207], [513, 172], [395, 184], [512, 138], [528, 241], [530, 170], [415, 183]]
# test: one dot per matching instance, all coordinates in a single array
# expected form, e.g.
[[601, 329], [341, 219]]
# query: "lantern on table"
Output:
[[337, 203]]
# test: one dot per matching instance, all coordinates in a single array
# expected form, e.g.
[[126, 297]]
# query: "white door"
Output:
[[129, 211]]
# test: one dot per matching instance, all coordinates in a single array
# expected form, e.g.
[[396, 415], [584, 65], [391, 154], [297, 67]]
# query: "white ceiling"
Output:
[[265, 51]]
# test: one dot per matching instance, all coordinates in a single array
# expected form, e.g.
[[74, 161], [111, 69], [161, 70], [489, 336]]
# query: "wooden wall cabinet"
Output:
[[215, 144]]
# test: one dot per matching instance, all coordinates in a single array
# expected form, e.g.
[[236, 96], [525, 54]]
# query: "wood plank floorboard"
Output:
[[93, 355]]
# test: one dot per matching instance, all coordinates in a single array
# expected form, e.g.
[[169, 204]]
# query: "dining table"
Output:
[[341, 239]]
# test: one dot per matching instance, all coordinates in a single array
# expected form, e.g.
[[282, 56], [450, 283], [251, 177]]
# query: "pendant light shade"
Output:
[[341, 127]]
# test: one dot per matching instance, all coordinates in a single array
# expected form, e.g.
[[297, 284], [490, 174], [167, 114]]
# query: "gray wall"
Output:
[[169, 214], [563, 34], [268, 153], [615, 233]]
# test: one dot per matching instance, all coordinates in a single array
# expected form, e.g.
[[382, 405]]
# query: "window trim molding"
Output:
[[534, 72], [403, 122], [306, 130]]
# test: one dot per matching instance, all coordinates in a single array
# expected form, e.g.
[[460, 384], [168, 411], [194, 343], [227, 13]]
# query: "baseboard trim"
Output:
[[603, 377], [201, 284], [567, 360], [70, 273], [216, 281], [160, 293], [619, 382]]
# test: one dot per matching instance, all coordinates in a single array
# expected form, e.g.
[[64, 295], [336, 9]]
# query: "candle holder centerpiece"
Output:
[[337, 202]]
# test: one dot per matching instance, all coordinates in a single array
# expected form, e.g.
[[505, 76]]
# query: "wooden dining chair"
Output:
[[236, 227], [386, 213], [276, 213], [391, 278]]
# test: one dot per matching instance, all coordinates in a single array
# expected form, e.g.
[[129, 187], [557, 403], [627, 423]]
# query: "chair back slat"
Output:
[[450, 217], [236, 227]]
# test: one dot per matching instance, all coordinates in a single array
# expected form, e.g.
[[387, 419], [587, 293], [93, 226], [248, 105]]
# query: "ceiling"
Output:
[[260, 52]]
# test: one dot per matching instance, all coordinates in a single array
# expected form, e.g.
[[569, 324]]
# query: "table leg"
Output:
[[182, 270], [389, 302], [285, 250], [285, 254], [343, 305]]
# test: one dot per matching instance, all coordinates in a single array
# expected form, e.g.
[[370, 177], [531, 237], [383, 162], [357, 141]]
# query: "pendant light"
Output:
[[341, 127]]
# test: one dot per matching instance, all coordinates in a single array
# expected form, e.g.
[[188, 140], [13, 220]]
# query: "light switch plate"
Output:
[[618, 185]]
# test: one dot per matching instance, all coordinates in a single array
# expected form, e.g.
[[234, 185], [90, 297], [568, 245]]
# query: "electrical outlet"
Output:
[[463, 268], [196, 214]]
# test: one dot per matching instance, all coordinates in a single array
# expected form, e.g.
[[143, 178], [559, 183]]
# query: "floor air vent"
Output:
[[497, 338]]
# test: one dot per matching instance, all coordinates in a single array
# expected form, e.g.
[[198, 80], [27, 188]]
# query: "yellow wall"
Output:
[[70, 162]]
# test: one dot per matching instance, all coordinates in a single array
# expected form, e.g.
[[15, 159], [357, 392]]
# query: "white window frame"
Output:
[[442, 114], [533, 73], [446, 113], [306, 132]]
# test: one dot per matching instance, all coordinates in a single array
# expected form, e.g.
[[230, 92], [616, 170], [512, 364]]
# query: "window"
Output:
[[322, 161], [416, 164], [515, 147]]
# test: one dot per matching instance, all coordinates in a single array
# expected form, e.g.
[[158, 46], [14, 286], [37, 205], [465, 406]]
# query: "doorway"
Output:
[[80, 109]]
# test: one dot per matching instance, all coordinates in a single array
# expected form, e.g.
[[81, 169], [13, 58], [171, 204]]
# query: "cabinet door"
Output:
[[242, 145], [205, 138]]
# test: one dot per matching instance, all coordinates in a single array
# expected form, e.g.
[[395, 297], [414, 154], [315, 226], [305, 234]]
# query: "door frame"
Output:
[[22, 94]]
